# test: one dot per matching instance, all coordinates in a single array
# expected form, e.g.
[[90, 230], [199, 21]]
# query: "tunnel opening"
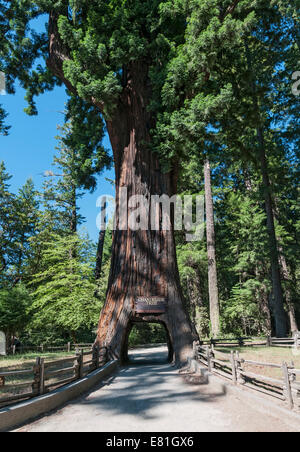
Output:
[[148, 343]]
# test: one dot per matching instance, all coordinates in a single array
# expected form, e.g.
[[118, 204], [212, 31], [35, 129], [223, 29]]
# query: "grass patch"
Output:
[[272, 355], [26, 362]]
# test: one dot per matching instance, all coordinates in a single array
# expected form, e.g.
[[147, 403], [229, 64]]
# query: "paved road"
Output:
[[155, 398]]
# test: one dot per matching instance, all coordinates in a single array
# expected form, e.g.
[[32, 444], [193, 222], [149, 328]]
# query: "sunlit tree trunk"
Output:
[[211, 254]]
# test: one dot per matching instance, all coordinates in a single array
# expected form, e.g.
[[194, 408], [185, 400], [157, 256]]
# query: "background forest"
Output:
[[237, 134]]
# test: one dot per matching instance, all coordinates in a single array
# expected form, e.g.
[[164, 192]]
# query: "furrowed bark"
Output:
[[143, 262]]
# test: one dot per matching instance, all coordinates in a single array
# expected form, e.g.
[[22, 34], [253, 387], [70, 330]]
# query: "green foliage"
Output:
[[64, 285], [82, 136], [3, 128], [147, 333], [14, 306], [19, 218]]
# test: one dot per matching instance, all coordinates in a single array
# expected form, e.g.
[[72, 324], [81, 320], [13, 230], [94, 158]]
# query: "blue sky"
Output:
[[29, 149]]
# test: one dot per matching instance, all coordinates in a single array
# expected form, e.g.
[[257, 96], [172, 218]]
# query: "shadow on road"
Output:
[[149, 387]]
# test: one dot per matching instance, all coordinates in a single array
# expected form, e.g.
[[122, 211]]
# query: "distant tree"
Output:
[[3, 128], [64, 286], [19, 216], [14, 311]]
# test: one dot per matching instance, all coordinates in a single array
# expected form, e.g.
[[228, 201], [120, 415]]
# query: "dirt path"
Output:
[[154, 398]]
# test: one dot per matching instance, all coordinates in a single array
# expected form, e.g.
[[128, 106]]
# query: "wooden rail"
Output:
[[46, 376], [50, 348], [237, 370], [252, 342]]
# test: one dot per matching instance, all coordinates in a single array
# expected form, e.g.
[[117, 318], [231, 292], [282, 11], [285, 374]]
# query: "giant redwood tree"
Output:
[[122, 57]]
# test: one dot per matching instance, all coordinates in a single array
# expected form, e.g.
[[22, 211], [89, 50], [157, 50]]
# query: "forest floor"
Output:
[[20, 362], [272, 355]]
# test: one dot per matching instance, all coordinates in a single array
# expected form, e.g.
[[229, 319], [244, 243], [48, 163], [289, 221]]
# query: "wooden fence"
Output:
[[291, 342], [236, 342], [285, 342], [239, 371], [49, 348], [45, 376]]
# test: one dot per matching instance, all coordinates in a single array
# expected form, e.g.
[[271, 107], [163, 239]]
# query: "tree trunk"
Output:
[[99, 257], [288, 295], [263, 297], [288, 280], [143, 261], [211, 254], [278, 307]]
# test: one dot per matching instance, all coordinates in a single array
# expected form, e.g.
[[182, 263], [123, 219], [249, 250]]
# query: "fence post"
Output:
[[287, 391], [241, 341], [36, 377], [195, 349], [212, 354], [239, 369], [69, 347], [95, 358], [208, 356], [79, 369], [233, 365], [296, 339], [269, 341], [42, 377]]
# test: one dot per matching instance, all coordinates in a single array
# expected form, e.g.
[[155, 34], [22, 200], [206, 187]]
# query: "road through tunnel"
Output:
[[144, 341]]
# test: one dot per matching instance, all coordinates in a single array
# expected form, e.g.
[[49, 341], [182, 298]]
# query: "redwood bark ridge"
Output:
[[143, 262]]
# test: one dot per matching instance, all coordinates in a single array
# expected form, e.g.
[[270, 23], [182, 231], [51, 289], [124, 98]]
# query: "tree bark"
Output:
[[288, 295], [144, 261], [211, 254], [264, 307], [278, 306]]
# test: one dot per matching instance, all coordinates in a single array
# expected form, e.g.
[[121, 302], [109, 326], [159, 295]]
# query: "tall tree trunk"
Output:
[[73, 216], [278, 306], [288, 295], [99, 257], [264, 307], [286, 276], [73, 221], [211, 254], [144, 261]]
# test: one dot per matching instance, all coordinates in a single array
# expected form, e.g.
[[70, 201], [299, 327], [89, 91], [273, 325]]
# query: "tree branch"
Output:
[[229, 10], [58, 54]]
